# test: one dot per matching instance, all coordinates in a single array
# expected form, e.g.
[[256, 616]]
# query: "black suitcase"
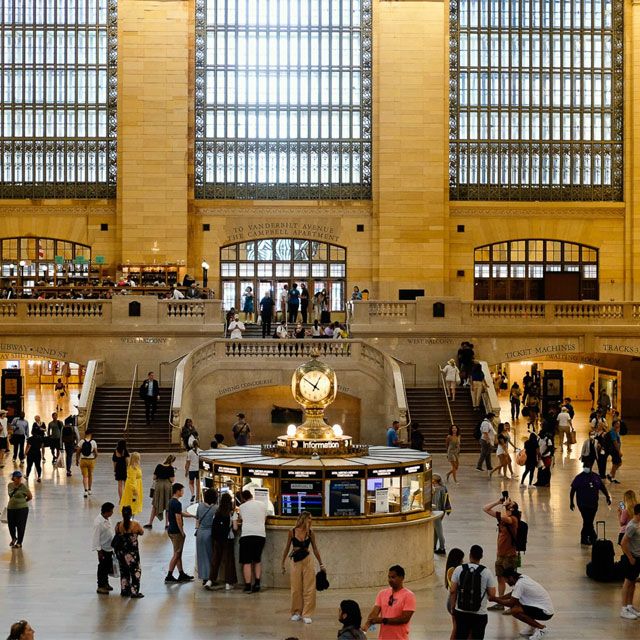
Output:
[[601, 567], [325, 317], [544, 477]]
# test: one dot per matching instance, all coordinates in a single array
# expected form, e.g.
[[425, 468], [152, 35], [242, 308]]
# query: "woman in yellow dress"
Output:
[[132, 495]]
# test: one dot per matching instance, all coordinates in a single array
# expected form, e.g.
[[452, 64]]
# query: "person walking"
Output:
[[69, 439], [150, 392], [251, 516], [204, 543], [631, 563], [565, 425], [625, 511], [86, 455], [451, 375], [478, 385], [175, 531], [222, 556], [392, 434], [4, 436], [439, 502], [163, 479], [17, 509], [101, 542], [502, 451], [394, 608], [585, 488], [472, 586], [38, 429], [54, 435], [132, 495], [302, 567], [453, 441], [241, 431], [192, 468], [20, 434], [616, 451], [529, 602], [128, 554], [120, 460], [60, 392], [351, 619], [35, 445], [487, 438], [266, 314], [532, 452], [514, 398]]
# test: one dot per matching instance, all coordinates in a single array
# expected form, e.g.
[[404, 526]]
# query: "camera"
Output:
[[505, 495]]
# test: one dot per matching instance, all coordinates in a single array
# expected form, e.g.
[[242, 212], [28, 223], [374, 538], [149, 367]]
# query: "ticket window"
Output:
[[258, 486], [384, 495]]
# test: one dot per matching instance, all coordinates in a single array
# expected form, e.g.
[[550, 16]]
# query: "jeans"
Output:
[[485, 455], [602, 458], [105, 567], [18, 446], [34, 462], [304, 308], [438, 533], [293, 312], [17, 522], [150, 406], [588, 533], [470, 625], [515, 409], [69, 448], [266, 324]]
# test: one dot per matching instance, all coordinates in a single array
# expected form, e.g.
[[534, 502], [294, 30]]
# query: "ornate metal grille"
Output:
[[59, 92], [283, 99], [536, 100]]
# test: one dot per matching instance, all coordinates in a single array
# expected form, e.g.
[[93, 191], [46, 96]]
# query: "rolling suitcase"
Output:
[[325, 317], [601, 567]]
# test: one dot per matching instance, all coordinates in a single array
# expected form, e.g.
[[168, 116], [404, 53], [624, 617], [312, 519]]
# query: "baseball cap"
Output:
[[16, 474]]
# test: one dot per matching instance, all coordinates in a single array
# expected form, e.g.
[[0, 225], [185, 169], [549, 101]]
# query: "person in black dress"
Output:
[[120, 460]]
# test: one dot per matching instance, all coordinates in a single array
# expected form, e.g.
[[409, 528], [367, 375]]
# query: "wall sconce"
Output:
[[205, 273]]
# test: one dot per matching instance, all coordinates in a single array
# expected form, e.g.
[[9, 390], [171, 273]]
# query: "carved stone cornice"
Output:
[[523, 212]]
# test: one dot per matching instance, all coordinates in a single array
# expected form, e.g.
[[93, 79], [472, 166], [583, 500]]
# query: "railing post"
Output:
[[549, 311]]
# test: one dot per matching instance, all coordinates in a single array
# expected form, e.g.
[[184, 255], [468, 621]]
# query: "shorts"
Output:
[[86, 466], [631, 571], [536, 613], [505, 562], [251, 549], [4, 444], [177, 540], [192, 476], [616, 458]]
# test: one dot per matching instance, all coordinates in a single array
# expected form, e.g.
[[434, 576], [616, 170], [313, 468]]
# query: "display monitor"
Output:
[[301, 495], [345, 497], [374, 483]]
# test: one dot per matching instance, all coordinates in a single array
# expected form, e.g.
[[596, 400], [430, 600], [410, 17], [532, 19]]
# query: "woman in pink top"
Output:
[[625, 511]]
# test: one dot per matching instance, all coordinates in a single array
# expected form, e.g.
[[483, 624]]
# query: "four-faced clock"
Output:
[[315, 386]]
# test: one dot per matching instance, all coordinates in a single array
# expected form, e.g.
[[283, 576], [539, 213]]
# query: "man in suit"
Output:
[[150, 393]]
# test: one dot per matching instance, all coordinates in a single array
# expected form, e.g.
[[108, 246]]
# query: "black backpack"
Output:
[[86, 448], [477, 433], [521, 536], [470, 591]]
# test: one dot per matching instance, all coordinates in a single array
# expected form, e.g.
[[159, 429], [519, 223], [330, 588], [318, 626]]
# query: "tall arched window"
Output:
[[59, 92], [536, 269], [536, 99], [283, 99], [269, 264]]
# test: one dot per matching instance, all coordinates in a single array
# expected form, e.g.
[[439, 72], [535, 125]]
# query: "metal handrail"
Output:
[[173, 391], [446, 395], [133, 384], [169, 362], [94, 369]]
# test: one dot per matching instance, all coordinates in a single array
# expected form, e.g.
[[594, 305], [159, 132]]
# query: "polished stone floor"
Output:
[[51, 581]]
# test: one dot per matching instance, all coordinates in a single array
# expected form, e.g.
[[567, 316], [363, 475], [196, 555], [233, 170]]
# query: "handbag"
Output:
[[152, 490], [299, 554], [525, 412], [117, 543], [60, 461], [572, 436], [321, 580], [521, 458], [3, 516]]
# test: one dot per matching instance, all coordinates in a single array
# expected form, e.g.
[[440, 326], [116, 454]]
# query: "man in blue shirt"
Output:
[[586, 487], [392, 434], [294, 303], [266, 313], [616, 455]]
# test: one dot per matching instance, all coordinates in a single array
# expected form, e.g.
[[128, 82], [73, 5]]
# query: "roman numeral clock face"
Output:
[[315, 386]]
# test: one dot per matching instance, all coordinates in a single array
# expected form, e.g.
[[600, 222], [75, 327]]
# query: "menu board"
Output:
[[345, 497], [301, 495]]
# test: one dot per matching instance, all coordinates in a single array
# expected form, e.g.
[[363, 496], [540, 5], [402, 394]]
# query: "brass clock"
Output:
[[314, 384]]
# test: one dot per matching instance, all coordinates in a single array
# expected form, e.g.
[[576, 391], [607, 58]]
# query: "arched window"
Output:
[[269, 264], [26, 261], [536, 269]]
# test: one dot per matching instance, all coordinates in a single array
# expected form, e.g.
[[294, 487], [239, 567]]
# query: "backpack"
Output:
[[86, 449], [477, 434], [220, 527], [470, 592], [67, 434], [447, 503], [521, 536]]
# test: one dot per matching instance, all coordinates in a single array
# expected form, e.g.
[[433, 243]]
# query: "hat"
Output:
[[321, 580], [16, 474], [451, 361], [3, 412]]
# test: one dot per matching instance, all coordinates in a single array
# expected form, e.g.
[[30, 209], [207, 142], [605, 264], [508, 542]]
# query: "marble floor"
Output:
[[51, 581]]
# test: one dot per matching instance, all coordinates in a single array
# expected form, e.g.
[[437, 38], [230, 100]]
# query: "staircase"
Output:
[[253, 330], [429, 408], [109, 414]]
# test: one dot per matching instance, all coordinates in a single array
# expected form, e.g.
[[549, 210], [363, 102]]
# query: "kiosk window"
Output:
[[383, 494], [344, 497], [301, 495], [413, 492]]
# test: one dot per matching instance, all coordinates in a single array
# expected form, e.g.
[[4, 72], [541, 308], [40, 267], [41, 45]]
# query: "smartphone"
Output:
[[621, 504], [505, 494]]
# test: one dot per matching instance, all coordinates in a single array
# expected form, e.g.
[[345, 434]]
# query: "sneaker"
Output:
[[539, 634], [17, 545], [137, 595], [86, 494], [440, 552], [529, 631], [478, 469], [496, 607], [307, 620], [228, 587], [628, 614], [147, 526], [208, 585], [609, 478], [170, 578], [507, 612], [630, 607], [183, 577], [89, 492], [615, 481], [295, 617]]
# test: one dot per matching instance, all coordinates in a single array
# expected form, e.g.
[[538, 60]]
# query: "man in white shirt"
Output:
[[236, 328], [487, 438], [252, 518], [177, 294], [101, 542], [4, 436], [86, 454], [529, 601]]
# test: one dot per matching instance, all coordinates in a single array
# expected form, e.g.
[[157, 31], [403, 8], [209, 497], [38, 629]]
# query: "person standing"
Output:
[[248, 306], [392, 434], [60, 393], [132, 494], [33, 452], [564, 426], [21, 630], [469, 604], [17, 509], [251, 516], [266, 314], [585, 488], [175, 531], [302, 566], [453, 441], [592, 393], [393, 608], [532, 451], [631, 562], [20, 434], [529, 602], [451, 375], [241, 431], [4, 436], [284, 299], [128, 555], [192, 467], [222, 555], [150, 392], [120, 460], [236, 328], [439, 502], [54, 434], [351, 619], [86, 455], [39, 429], [204, 543], [163, 478], [69, 440], [304, 302], [487, 438], [101, 542], [616, 453], [293, 303], [527, 381], [514, 398], [625, 511], [478, 385]]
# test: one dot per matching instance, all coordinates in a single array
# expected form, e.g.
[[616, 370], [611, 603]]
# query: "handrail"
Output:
[[401, 394], [408, 364], [168, 362], [95, 370], [446, 395], [133, 384], [489, 395]]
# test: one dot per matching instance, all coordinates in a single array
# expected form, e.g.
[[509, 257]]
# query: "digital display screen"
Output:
[[301, 495], [345, 498], [374, 483]]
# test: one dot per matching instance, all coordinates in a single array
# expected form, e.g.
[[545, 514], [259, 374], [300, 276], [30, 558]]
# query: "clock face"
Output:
[[315, 386]]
